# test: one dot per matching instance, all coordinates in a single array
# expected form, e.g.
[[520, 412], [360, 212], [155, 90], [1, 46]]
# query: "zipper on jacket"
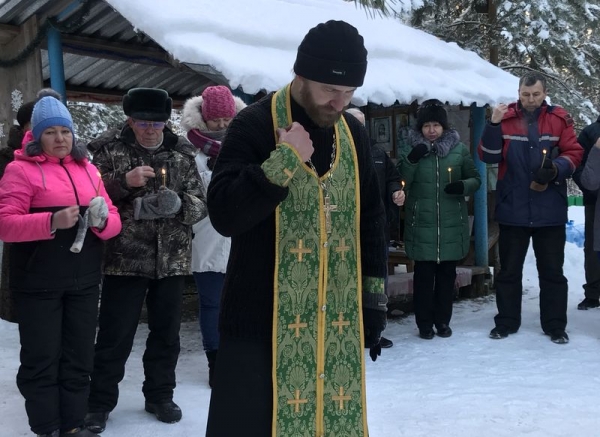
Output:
[[77, 266], [437, 203]]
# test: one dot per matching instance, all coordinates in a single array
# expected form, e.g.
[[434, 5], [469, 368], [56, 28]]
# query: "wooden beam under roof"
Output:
[[118, 51]]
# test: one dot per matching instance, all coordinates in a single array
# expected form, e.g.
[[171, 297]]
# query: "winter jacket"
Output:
[[517, 145], [389, 182], [33, 187], [158, 248], [590, 180], [587, 138], [210, 250], [436, 226]]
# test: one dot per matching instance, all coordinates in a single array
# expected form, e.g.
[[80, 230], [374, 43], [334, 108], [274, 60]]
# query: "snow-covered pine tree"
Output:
[[558, 38]]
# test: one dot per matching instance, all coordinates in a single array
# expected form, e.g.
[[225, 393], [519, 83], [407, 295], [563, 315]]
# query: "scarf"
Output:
[[208, 142]]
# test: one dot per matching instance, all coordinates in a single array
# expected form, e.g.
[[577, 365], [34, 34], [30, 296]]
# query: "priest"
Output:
[[295, 189]]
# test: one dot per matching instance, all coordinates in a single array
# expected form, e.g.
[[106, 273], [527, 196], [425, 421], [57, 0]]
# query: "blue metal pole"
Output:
[[481, 219], [57, 68]]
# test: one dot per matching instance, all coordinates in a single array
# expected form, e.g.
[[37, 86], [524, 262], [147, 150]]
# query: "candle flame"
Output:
[[544, 151], [449, 168], [163, 171]]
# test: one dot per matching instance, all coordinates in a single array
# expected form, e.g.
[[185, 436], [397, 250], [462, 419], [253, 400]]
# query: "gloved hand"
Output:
[[374, 321], [417, 152], [545, 174], [457, 187], [98, 212], [164, 204]]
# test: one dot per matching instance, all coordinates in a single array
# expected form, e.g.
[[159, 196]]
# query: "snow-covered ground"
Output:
[[464, 386]]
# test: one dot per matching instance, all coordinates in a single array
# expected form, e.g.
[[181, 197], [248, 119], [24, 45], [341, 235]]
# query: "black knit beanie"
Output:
[[432, 110], [333, 53]]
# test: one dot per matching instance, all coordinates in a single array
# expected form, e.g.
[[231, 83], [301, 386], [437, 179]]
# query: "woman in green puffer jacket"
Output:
[[439, 172]]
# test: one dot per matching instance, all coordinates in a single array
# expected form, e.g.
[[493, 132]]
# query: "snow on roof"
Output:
[[253, 44]]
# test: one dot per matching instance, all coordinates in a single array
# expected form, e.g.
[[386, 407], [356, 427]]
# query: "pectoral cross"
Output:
[[329, 208]]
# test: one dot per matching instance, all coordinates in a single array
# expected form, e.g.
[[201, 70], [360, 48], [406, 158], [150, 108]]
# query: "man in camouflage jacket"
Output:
[[151, 176]]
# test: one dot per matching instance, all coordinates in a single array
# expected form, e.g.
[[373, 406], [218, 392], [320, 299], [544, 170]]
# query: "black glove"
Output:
[[545, 174], [374, 321], [457, 187], [417, 152]]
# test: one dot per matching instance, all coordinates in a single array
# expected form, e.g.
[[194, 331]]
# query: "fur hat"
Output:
[[432, 110], [332, 53], [150, 104], [49, 112], [217, 102]]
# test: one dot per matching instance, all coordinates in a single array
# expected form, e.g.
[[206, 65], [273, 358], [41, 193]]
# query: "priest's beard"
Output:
[[321, 115]]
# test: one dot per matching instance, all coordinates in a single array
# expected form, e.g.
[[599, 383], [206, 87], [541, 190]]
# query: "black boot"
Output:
[[211, 356], [588, 303], [167, 411], [78, 432], [51, 434], [96, 421]]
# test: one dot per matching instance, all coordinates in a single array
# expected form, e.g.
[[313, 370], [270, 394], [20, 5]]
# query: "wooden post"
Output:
[[25, 77]]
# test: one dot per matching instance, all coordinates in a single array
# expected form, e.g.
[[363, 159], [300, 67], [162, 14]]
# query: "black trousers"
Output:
[[241, 402], [57, 332], [433, 292], [121, 304], [591, 263], [549, 249]]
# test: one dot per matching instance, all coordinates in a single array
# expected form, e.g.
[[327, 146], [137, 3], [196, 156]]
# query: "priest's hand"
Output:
[[297, 137], [374, 321]]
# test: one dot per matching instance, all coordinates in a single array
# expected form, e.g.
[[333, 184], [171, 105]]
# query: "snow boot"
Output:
[[52, 434], [167, 411], [444, 331], [78, 432], [211, 356], [588, 303], [558, 336], [96, 422]]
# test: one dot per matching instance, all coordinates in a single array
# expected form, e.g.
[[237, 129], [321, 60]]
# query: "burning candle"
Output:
[[450, 174], [543, 157], [99, 182], [403, 184], [164, 176]]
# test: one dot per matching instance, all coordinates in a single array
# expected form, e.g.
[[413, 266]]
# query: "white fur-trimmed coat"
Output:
[[210, 250]]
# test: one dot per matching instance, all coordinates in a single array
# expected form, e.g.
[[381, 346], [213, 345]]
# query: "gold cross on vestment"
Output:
[[300, 250], [340, 323], [290, 175], [341, 398], [297, 401], [297, 326], [343, 248], [329, 208]]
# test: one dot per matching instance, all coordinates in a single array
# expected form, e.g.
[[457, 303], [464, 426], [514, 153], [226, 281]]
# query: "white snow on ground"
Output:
[[464, 386]]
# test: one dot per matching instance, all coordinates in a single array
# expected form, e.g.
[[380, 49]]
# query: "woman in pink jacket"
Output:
[[54, 208]]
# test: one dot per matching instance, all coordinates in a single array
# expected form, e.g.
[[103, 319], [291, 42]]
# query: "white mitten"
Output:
[[98, 212]]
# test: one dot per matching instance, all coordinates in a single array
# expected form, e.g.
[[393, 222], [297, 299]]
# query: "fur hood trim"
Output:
[[191, 117]]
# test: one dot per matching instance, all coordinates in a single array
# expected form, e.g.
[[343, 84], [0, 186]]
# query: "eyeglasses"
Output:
[[149, 124]]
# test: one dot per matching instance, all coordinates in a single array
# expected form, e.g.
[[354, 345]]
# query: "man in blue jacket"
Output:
[[536, 150]]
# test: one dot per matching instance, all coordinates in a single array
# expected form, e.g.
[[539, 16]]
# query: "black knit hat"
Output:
[[332, 53], [149, 104], [432, 110]]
